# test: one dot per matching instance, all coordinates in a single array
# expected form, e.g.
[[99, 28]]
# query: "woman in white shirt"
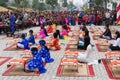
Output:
[[87, 56], [116, 45]]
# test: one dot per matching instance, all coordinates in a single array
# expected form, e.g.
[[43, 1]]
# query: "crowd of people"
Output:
[[21, 20]]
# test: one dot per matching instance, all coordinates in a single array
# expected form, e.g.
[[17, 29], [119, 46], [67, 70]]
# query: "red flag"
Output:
[[118, 8]]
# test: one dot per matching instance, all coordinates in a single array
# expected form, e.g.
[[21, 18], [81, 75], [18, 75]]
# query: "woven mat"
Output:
[[18, 70], [112, 73], [83, 70]]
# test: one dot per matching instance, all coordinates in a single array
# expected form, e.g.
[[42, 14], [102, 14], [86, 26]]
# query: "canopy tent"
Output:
[[14, 8], [3, 9], [28, 10], [20, 9]]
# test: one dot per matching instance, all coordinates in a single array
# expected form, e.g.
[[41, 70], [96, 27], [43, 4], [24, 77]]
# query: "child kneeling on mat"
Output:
[[55, 42], [24, 44], [36, 62], [44, 52], [31, 38]]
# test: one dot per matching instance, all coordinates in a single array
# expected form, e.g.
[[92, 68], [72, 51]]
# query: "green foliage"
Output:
[[98, 2], [52, 3], [3, 2], [70, 5], [17, 3], [42, 6], [25, 4], [65, 3], [21, 3], [35, 4], [85, 8]]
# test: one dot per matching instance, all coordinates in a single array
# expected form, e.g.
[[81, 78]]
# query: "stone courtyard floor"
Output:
[[100, 72]]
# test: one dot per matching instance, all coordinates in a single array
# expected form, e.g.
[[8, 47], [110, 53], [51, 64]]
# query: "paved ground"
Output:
[[100, 72]]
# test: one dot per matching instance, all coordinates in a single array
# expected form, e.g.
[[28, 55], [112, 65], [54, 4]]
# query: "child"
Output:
[[34, 51], [44, 52], [58, 32], [82, 44], [45, 32], [24, 44], [54, 26], [82, 33], [55, 42], [41, 33], [36, 62], [85, 28], [49, 29], [64, 31], [68, 28], [31, 38]]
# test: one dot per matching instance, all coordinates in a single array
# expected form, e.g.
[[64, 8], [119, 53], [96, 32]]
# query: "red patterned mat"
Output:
[[4, 59], [17, 70], [72, 47], [95, 37], [6, 38], [112, 73], [84, 70], [102, 48], [13, 48]]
